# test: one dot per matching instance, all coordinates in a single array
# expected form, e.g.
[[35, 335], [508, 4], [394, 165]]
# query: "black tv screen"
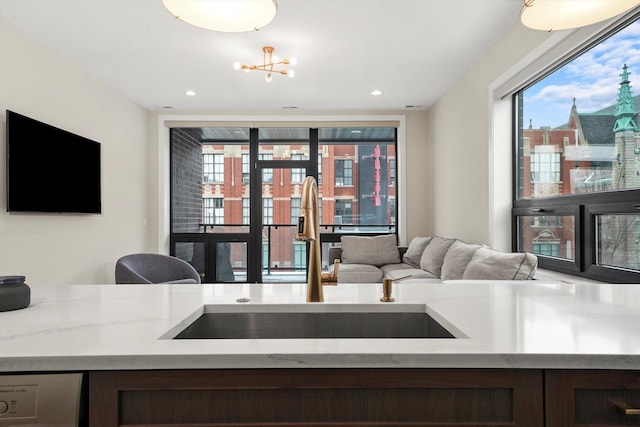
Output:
[[50, 169]]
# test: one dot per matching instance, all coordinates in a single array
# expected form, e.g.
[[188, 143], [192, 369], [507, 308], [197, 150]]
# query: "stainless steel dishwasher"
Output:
[[41, 400]]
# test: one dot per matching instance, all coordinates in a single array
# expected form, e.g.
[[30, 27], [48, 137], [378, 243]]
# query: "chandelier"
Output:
[[549, 15], [270, 62], [231, 16]]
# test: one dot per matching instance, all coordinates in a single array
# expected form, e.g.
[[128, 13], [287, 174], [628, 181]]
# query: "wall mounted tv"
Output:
[[50, 169]]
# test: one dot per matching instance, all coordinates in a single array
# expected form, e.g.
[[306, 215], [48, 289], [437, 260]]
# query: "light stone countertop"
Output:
[[497, 325]]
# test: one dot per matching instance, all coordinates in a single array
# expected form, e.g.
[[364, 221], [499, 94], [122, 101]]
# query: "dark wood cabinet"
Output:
[[592, 398], [317, 397]]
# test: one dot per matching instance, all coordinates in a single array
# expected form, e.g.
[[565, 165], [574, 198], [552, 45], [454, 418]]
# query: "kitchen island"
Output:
[[523, 343]]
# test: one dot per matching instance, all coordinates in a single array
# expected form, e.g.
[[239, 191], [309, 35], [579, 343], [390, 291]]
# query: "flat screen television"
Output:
[[50, 169]]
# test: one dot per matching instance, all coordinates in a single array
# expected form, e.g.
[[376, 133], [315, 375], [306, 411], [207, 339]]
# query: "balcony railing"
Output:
[[283, 258]]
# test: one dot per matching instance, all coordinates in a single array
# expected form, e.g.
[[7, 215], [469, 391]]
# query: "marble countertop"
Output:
[[497, 325]]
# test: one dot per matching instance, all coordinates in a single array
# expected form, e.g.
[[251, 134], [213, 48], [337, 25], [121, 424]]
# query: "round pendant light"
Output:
[[549, 15], [233, 16]]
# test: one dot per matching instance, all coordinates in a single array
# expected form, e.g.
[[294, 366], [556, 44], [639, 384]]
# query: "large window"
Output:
[[577, 158], [214, 202]]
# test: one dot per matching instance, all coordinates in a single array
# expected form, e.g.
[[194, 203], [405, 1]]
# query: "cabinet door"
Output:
[[317, 397], [592, 398]]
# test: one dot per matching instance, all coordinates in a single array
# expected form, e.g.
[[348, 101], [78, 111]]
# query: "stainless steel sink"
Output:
[[311, 321]]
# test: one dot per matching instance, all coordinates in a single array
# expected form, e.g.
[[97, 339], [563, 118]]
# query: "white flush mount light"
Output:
[[232, 16], [376, 92], [550, 15], [190, 93]]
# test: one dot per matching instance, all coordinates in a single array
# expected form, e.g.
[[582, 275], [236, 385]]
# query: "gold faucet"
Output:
[[308, 230]]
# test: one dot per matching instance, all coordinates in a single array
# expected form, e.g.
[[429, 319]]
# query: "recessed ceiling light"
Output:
[[190, 93], [376, 92]]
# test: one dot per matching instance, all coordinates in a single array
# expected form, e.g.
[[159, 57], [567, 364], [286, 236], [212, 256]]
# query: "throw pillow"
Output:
[[456, 260], [433, 255], [488, 264], [375, 250], [414, 251]]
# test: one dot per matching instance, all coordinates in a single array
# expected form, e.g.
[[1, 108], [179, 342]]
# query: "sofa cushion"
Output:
[[404, 271], [374, 250], [456, 260], [414, 251], [359, 273], [433, 255], [488, 264]]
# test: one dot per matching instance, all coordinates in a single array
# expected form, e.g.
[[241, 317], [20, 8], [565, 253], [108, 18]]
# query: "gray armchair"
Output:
[[154, 268]]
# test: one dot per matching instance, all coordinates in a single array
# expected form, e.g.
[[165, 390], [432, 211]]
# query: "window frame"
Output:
[[585, 206]]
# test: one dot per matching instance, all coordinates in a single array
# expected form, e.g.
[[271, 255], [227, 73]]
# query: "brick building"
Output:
[[594, 152]]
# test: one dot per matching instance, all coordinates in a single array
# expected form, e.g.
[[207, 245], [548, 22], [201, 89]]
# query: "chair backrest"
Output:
[[154, 268]]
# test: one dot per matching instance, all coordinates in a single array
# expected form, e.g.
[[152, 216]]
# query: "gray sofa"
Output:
[[365, 259]]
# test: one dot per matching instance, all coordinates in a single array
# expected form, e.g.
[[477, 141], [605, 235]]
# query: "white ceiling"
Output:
[[412, 50]]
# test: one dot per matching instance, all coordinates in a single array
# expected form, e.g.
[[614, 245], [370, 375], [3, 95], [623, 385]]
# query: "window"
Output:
[[392, 172], [213, 167], [298, 174], [550, 249], [267, 210], [207, 168], [392, 211], [220, 213], [295, 209], [267, 174], [344, 172], [299, 255], [545, 166], [213, 210], [577, 159], [246, 213], [344, 212], [246, 171]]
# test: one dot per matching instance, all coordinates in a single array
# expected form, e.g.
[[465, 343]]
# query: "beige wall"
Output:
[[61, 249], [461, 140]]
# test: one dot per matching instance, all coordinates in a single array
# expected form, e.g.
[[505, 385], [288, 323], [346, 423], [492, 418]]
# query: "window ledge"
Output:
[[554, 276]]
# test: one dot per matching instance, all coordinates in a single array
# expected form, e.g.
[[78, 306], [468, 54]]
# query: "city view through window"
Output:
[[578, 146], [236, 195]]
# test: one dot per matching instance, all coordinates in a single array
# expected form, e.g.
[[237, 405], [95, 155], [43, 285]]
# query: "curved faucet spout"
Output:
[[308, 230]]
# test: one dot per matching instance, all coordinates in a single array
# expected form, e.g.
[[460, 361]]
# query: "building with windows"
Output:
[[592, 153]]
